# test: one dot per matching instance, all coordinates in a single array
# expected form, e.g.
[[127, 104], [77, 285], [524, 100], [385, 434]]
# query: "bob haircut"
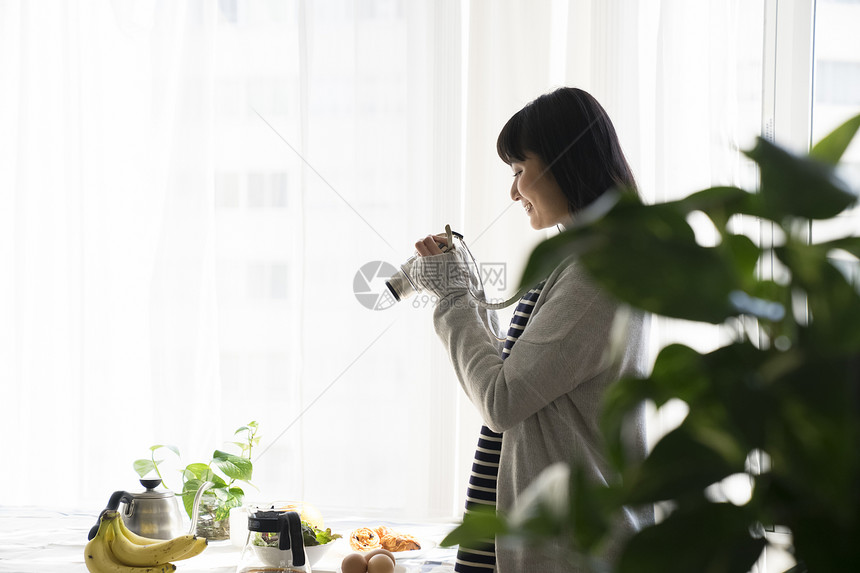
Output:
[[572, 134]]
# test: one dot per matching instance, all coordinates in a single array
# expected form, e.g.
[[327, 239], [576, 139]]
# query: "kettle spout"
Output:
[[196, 513]]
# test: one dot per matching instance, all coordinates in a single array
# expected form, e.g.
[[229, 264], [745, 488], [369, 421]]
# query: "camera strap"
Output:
[[478, 295]]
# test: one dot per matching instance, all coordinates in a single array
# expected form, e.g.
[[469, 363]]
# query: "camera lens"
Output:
[[401, 285]]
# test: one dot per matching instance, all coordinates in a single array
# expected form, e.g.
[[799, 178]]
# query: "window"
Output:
[[256, 191], [837, 83], [836, 91], [267, 281], [812, 84], [227, 190]]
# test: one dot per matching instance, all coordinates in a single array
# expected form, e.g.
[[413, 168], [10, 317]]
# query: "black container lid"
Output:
[[264, 521]]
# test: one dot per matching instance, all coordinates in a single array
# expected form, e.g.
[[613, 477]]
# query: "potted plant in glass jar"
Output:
[[222, 472]]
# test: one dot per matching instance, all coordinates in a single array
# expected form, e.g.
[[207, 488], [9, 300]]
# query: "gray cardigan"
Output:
[[546, 396]]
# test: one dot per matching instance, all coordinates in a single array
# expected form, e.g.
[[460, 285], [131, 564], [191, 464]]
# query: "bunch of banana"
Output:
[[116, 549]]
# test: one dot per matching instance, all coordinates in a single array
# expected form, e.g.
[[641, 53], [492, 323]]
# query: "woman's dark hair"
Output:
[[572, 133]]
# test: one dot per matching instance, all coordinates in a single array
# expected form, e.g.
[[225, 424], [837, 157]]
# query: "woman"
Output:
[[540, 391]]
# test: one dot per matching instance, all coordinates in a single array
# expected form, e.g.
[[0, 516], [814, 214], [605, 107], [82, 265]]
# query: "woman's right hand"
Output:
[[440, 272], [429, 245]]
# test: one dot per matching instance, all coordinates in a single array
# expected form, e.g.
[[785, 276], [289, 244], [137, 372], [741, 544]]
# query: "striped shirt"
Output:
[[481, 557]]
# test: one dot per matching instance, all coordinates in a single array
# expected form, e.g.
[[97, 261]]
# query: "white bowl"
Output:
[[271, 556], [315, 552]]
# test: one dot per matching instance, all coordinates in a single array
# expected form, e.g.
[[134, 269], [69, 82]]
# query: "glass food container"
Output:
[[274, 544]]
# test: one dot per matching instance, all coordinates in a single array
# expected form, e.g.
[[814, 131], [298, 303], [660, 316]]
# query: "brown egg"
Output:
[[354, 563], [379, 550], [380, 563]]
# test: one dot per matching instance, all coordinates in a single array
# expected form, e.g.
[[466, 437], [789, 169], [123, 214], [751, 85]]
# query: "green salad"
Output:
[[311, 536]]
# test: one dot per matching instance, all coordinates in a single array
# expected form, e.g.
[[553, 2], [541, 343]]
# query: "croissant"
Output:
[[382, 531], [399, 542], [364, 539]]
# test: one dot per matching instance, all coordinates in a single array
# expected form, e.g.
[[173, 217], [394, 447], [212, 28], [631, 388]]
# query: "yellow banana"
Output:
[[132, 536], [98, 556], [164, 551], [200, 543], [196, 548]]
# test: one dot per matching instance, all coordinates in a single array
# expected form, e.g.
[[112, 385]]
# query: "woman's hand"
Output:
[[429, 245], [440, 268]]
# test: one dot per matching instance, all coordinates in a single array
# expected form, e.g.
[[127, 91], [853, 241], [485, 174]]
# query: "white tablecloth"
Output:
[[39, 540]]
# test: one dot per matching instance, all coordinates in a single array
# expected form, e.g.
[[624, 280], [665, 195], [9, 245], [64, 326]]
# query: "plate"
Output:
[[415, 553], [397, 569], [412, 554]]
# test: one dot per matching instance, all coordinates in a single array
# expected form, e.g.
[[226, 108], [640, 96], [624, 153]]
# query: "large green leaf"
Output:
[[815, 443], [798, 186], [678, 372], [823, 539], [824, 544], [833, 302], [847, 244], [647, 255], [714, 538], [720, 203], [476, 527], [665, 277], [233, 466], [732, 413], [173, 449], [831, 148], [593, 224], [744, 254], [143, 467], [198, 471], [622, 398], [203, 473], [251, 427], [680, 465], [233, 498], [189, 490], [591, 508]]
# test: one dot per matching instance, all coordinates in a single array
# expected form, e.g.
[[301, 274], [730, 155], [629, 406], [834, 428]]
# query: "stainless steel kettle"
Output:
[[152, 513]]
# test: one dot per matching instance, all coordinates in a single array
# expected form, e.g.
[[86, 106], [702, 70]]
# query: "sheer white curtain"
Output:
[[360, 133], [193, 193], [107, 328]]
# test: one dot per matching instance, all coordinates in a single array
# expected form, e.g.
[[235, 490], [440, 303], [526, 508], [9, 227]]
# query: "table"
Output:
[[36, 540]]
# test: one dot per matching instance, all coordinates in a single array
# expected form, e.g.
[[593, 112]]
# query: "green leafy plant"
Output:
[[144, 466], [780, 405], [223, 470]]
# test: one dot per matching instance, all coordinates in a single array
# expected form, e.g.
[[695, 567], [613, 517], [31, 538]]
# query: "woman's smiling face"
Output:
[[539, 193]]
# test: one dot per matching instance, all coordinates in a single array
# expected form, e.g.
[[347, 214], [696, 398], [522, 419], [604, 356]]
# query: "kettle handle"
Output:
[[196, 505], [116, 498], [296, 541]]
